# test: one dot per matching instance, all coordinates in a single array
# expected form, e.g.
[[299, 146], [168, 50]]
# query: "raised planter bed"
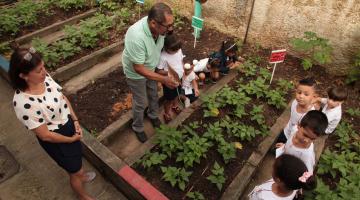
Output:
[[45, 17]]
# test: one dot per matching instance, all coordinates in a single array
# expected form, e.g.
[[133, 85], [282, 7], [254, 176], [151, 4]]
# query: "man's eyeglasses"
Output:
[[166, 26]]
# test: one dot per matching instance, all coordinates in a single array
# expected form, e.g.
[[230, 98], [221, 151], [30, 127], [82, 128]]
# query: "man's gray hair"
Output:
[[158, 11]]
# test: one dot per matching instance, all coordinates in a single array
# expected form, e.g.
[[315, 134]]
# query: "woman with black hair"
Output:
[[40, 105]]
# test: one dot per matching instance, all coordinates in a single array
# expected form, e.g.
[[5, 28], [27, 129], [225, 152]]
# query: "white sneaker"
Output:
[[187, 102]]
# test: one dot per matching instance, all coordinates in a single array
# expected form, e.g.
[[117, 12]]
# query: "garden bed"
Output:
[[101, 103], [43, 17], [217, 121]]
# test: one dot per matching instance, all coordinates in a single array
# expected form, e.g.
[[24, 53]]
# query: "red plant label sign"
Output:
[[277, 56]]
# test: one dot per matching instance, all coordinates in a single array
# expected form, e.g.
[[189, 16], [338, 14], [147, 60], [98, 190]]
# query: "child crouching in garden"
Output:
[[171, 64], [218, 62]]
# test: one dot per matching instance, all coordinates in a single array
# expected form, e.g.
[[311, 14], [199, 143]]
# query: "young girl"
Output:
[[221, 61], [189, 85], [289, 175], [171, 64]]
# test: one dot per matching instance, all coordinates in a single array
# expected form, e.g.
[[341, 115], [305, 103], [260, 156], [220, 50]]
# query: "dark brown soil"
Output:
[[96, 104], [56, 15]]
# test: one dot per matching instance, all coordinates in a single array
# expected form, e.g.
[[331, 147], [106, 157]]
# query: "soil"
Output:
[[57, 15], [97, 105]]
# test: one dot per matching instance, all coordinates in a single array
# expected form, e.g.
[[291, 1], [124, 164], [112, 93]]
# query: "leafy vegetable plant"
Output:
[[217, 176]]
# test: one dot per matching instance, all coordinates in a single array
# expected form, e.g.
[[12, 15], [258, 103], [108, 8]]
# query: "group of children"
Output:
[[187, 75], [311, 117]]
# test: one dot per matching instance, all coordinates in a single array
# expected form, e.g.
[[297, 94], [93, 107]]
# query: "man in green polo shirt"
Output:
[[144, 41]]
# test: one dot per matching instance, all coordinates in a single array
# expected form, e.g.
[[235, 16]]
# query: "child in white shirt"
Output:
[[300, 144], [289, 175], [331, 106], [189, 85], [171, 64], [303, 102]]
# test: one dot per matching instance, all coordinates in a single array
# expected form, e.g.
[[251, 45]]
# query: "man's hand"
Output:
[[170, 83]]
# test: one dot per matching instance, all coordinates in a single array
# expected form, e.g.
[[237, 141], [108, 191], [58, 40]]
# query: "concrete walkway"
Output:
[[39, 177]]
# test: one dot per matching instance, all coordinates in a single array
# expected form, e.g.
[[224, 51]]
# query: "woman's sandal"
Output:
[[177, 110], [167, 118]]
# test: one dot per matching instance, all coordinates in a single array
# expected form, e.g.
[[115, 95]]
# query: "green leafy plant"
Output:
[[342, 163], [265, 73], [176, 176], [108, 5], [169, 139], [227, 150], [213, 132], [194, 148], [89, 31], [152, 159], [257, 114], [314, 48], [284, 86], [68, 4], [276, 99], [249, 68], [354, 112], [195, 195], [354, 73], [210, 105], [256, 87], [217, 176], [66, 49], [50, 56]]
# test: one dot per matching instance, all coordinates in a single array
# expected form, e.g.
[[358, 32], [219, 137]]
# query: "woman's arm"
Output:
[[45, 135], [78, 128]]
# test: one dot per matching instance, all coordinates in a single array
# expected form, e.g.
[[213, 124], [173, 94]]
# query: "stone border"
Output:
[[240, 182], [54, 27], [108, 164], [68, 71]]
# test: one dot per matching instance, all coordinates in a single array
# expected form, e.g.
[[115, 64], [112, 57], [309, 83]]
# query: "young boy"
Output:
[[331, 106], [303, 102], [300, 144]]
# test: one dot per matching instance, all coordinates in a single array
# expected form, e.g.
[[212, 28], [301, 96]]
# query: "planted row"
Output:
[[85, 35], [26, 13]]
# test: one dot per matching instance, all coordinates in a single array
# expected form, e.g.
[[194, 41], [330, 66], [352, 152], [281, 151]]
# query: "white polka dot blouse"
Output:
[[49, 108]]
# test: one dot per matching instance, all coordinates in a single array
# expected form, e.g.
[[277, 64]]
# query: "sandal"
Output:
[[167, 118], [177, 110], [89, 176]]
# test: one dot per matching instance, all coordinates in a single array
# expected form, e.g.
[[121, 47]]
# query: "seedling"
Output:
[[217, 176], [176, 176]]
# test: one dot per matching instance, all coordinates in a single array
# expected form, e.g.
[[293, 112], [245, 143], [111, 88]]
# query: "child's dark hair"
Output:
[[337, 94], [316, 121], [20, 65], [214, 63], [308, 82], [228, 46], [172, 43], [289, 169]]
